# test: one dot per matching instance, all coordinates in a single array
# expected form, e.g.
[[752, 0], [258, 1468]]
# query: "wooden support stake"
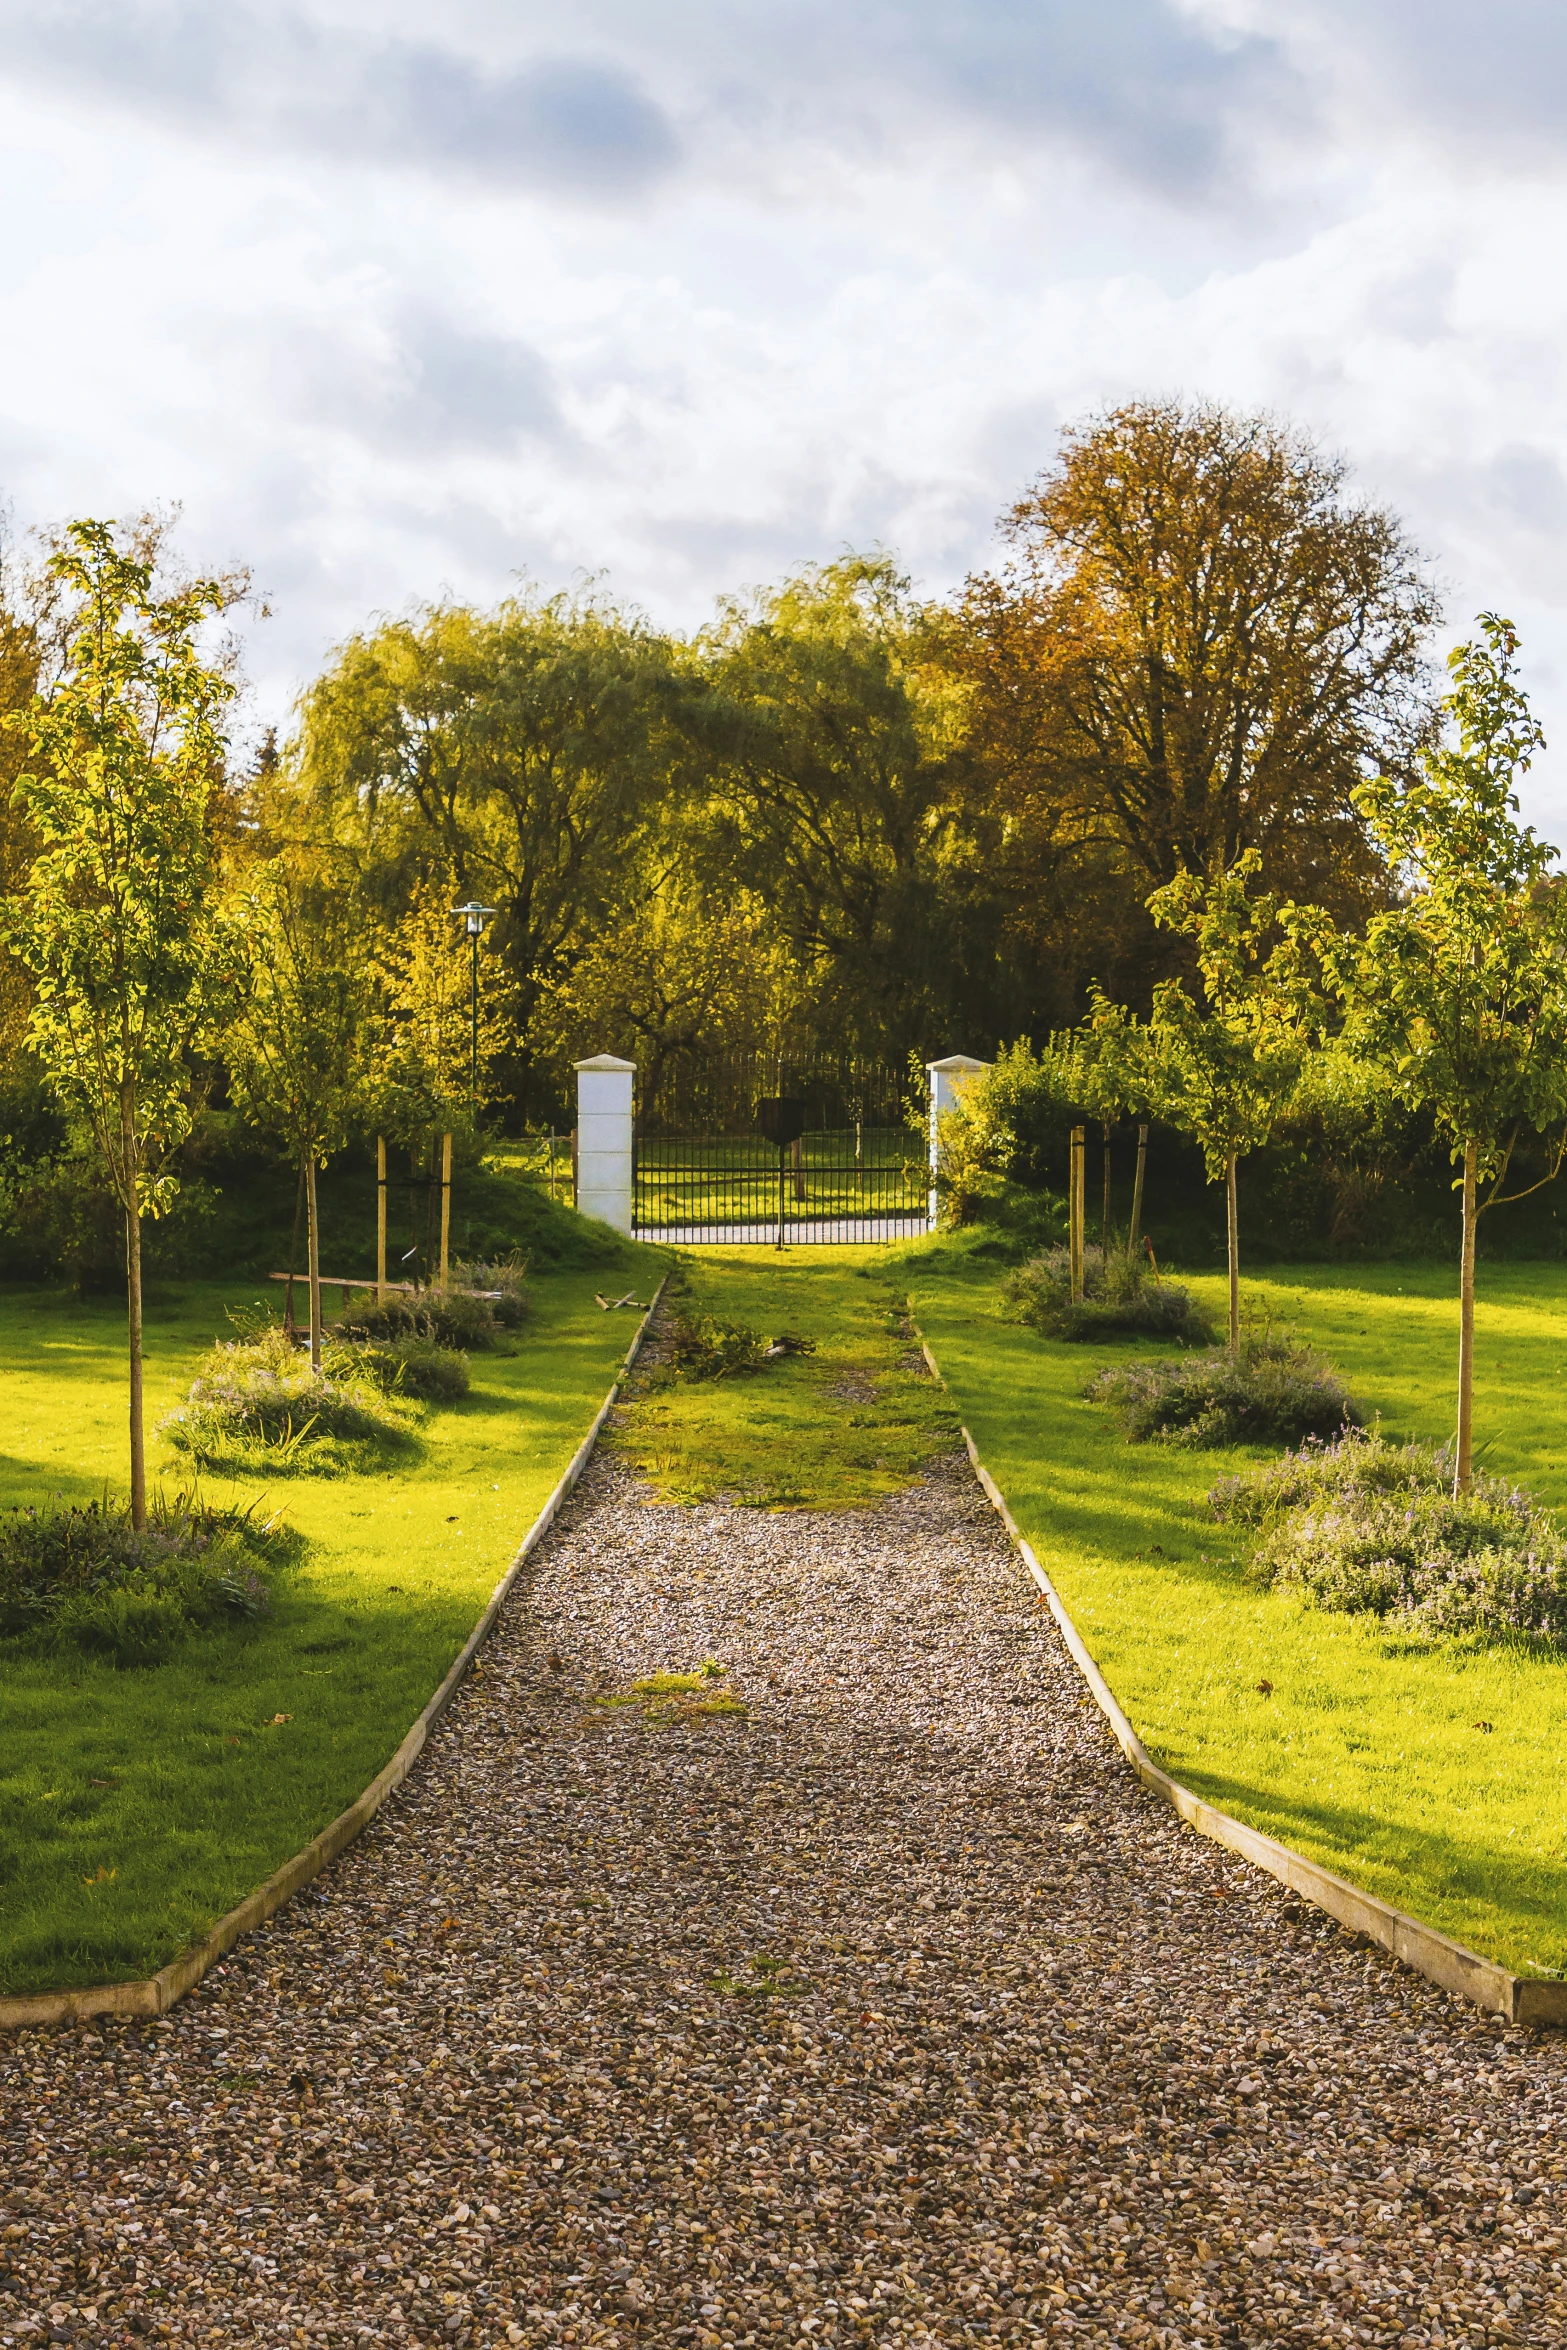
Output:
[[380, 1218], [446, 1203], [1137, 1192], [1075, 1207]]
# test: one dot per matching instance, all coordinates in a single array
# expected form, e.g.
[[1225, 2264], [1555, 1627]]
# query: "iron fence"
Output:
[[851, 1166]]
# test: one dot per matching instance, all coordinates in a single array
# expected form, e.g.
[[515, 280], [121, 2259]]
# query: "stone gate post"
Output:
[[947, 1080], [605, 1139]]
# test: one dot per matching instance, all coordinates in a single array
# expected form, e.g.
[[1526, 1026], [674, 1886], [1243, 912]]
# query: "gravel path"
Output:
[[893, 2011]]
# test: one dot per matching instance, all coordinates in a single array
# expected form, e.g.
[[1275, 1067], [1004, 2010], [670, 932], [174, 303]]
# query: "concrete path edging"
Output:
[[159, 1992], [1522, 1999]]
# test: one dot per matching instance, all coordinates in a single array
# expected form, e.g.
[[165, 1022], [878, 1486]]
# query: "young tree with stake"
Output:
[[115, 924], [302, 1047], [1225, 1067], [1459, 993]]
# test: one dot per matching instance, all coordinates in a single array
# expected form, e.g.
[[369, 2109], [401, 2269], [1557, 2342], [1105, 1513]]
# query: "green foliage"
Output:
[[1267, 1390], [1121, 1296], [703, 1346], [1365, 1527], [1457, 996], [115, 925], [1003, 1138], [300, 1048], [256, 1405], [86, 1578], [411, 1365], [1220, 1070]]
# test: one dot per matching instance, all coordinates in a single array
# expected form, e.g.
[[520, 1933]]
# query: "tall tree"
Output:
[[1204, 642], [828, 731], [1459, 993], [115, 925], [520, 752]]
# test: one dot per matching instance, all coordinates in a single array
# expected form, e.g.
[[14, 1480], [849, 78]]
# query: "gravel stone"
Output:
[[891, 2011]]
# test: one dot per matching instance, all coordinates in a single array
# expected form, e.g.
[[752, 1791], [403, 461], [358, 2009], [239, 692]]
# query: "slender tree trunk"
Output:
[[797, 1166], [1075, 1214], [446, 1206], [1137, 1192], [1463, 1467], [133, 1302], [1104, 1212], [380, 1219], [293, 1254], [314, 1232], [1235, 1256]]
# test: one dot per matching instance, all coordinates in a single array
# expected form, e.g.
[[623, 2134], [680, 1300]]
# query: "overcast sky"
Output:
[[398, 301]]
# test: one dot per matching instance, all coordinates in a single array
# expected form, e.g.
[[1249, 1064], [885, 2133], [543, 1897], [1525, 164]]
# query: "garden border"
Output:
[[1522, 1999], [158, 1993]]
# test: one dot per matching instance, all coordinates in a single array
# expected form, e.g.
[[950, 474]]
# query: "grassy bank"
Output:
[[137, 1806], [1368, 1752], [840, 1426]]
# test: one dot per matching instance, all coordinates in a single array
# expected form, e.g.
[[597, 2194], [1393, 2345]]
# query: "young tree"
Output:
[[115, 925], [1459, 993], [1225, 1067], [301, 1050]]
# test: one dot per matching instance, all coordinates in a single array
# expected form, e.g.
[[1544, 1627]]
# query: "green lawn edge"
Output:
[[139, 1807], [1367, 1753]]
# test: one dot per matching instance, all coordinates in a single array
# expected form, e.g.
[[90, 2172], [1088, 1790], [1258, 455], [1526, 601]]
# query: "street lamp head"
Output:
[[474, 916]]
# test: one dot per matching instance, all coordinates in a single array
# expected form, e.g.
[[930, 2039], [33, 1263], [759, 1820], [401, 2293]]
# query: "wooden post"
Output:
[[380, 1219], [313, 1230], [1137, 1192], [446, 1204], [1104, 1213], [1463, 1465], [1075, 1206]]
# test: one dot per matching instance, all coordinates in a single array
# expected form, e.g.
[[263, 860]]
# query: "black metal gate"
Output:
[[851, 1164]]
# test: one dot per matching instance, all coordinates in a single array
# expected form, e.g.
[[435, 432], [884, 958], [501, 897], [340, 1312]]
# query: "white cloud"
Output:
[[689, 295]]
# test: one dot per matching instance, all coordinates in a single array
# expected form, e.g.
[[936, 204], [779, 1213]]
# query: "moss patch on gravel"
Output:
[[837, 1428], [137, 1806], [1367, 1750]]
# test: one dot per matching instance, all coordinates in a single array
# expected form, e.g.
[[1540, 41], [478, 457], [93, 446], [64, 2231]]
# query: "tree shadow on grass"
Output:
[[1415, 1869]]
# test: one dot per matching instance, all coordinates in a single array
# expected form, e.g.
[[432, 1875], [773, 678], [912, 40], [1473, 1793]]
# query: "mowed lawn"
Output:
[[137, 1806], [1429, 1772]]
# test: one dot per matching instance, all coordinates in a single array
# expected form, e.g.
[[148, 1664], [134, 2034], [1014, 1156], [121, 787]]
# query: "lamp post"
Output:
[[474, 918]]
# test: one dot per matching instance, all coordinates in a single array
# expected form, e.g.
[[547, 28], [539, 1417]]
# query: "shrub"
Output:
[[1120, 1293], [505, 1275], [256, 1404], [445, 1317], [402, 1366], [85, 1578], [1271, 1390], [1365, 1527], [703, 1347]]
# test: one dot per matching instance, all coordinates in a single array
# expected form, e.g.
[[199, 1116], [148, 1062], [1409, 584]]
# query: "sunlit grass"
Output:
[[1367, 1752], [842, 1426], [137, 1806]]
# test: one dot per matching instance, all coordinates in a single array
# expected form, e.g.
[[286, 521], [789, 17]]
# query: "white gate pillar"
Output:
[[947, 1080], [604, 1139]]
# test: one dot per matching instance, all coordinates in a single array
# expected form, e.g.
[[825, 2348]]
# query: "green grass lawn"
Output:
[[1366, 1755], [137, 1806], [841, 1426]]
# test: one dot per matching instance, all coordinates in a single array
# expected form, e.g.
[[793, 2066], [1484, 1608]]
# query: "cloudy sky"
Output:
[[396, 301]]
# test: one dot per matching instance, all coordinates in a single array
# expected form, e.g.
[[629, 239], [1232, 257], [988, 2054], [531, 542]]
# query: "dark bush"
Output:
[[85, 1578], [1120, 1294], [504, 1276], [1271, 1391], [443, 1317], [1365, 1527]]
